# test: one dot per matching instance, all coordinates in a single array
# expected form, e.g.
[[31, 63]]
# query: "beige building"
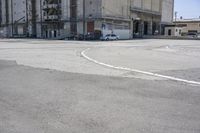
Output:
[[58, 19], [130, 18], [189, 25]]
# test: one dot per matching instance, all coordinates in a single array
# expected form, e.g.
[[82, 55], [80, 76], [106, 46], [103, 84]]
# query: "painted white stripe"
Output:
[[83, 53]]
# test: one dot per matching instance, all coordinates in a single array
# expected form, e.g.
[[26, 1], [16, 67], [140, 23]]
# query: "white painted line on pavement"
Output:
[[83, 53]]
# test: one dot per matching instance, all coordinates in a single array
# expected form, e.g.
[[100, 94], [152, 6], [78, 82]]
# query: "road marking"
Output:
[[83, 53]]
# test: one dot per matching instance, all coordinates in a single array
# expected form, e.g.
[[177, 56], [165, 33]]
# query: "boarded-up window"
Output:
[[90, 26]]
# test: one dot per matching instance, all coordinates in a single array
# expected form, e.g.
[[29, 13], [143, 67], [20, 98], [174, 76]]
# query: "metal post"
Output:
[[176, 16]]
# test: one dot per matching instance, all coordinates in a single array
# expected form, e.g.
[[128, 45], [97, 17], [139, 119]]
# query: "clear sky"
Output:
[[187, 8]]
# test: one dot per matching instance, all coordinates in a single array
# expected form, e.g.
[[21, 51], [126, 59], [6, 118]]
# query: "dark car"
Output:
[[192, 35], [93, 36]]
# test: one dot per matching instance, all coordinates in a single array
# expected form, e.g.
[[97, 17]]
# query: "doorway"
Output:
[[90, 27], [145, 27], [154, 26], [169, 32], [136, 31]]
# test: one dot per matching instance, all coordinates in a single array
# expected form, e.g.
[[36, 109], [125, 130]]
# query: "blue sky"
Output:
[[188, 8]]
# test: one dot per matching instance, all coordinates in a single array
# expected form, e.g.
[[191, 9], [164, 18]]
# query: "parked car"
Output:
[[198, 36], [71, 37], [110, 37], [192, 35], [90, 36], [80, 37]]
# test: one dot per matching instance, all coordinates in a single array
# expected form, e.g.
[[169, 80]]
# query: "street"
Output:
[[132, 86]]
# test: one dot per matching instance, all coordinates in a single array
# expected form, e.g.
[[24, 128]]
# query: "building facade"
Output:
[[189, 25], [58, 19]]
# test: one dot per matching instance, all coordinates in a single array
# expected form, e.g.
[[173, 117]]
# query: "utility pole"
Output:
[[84, 19], [176, 15]]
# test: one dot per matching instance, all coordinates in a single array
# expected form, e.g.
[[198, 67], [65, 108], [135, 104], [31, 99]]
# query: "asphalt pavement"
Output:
[[49, 87]]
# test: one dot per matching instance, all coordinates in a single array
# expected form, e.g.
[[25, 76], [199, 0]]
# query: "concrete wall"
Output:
[[17, 17], [93, 8], [165, 7], [156, 5], [167, 11], [65, 9], [116, 8], [6, 28], [148, 5], [3, 12], [136, 3], [19, 10]]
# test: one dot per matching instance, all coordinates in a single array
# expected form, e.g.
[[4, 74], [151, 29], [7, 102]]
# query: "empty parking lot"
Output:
[[117, 86]]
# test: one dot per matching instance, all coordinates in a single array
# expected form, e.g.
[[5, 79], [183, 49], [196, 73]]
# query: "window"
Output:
[[113, 35], [108, 35]]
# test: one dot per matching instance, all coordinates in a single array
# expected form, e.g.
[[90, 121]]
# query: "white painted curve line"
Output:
[[137, 71]]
